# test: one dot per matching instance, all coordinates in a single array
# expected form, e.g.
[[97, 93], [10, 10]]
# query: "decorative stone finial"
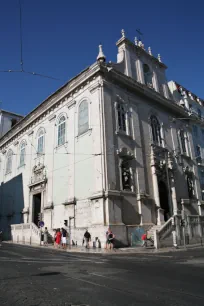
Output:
[[123, 33], [149, 50], [101, 57], [140, 44], [159, 58], [136, 41]]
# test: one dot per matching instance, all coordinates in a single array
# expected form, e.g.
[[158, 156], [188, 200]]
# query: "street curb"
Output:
[[109, 253]]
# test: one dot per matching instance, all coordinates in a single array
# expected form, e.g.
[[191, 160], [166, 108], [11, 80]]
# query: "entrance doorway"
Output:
[[36, 207], [164, 200]]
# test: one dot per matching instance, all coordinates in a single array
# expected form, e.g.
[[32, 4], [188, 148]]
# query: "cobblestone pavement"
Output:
[[30, 276]]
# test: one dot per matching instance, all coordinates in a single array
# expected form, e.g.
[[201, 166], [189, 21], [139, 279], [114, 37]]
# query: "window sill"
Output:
[[89, 131], [184, 155], [122, 133], [157, 146], [39, 155], [21, 166], [62, 145], [128, 192]]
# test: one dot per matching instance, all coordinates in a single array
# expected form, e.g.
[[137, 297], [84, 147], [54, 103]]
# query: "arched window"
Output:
[[9, 161], [83, 123], [41, 140], [147, 75], [22, 154], [61, 131], [156, 130]]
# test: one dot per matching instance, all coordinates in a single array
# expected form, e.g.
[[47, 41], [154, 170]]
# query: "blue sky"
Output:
[[60, 38]]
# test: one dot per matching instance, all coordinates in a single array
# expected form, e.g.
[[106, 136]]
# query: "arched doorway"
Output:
[[164, 201]]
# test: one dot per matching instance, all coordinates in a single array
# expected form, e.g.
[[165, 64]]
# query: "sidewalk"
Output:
[[130, 250]]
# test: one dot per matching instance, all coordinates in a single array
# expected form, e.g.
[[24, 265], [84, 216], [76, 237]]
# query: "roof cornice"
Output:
[[64, 92], [134, 86]]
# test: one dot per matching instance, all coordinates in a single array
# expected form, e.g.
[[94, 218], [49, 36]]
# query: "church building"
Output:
[[111, 148]]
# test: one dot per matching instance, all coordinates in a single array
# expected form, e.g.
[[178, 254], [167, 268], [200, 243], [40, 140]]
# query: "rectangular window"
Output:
[[122, 118], [126, 175]]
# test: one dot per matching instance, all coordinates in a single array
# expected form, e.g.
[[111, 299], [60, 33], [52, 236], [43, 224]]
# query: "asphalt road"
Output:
[[30, 276]]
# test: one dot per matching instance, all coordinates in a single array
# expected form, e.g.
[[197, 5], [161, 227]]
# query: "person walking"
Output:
[[45, 239], [87, 237], [58, 238], [64, 238]]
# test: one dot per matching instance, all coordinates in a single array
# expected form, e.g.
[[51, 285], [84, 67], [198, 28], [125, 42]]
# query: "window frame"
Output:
[[21, 148], [131, 178], [59, 125], [123, 114], [190, 182], [9, 156], [147, 76], [41, 135], [183, 141], [82, 130], [156, 130]]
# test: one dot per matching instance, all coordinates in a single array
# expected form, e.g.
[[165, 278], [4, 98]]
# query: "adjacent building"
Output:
[[112, 148], [7, 121]]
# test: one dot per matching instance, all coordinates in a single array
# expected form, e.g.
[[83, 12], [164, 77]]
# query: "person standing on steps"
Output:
[[87, 237]]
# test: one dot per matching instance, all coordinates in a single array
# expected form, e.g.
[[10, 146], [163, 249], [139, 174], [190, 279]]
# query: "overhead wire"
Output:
[[21, 54]]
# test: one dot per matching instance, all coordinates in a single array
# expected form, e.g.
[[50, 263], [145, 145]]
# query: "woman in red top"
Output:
[[58, 238]]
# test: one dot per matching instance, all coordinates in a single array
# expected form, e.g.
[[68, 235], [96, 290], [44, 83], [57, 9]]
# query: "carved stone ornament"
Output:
[[39, 174], [38, 169]]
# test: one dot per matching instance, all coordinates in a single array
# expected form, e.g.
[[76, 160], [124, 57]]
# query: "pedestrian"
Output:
[[1, 237], [64, 238], [87, 237], [45, 239], [107, 233], [110, 239], [144, 240], [58, 238]]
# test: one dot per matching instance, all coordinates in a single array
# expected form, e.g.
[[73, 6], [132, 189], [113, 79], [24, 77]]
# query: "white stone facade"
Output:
[[102, 164]]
